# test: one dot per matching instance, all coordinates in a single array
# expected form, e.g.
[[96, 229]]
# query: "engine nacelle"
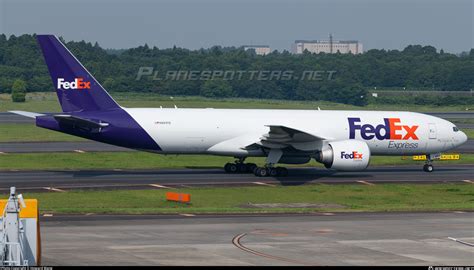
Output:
[[348, 155]]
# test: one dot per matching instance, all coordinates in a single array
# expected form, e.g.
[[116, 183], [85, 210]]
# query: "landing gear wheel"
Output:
[[261, 172], [251, 167], [227, 167], [231, 168], [273, 171], [242, 167], [428, 168]]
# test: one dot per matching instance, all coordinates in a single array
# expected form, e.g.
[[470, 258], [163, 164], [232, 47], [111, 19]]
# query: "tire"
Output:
[[261, 172], [428, 168], [227, 167], [273, 172], [251, 167], [242, 167], [233, 168]]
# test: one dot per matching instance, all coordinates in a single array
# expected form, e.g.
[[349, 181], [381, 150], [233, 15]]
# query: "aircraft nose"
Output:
[[463, 138]]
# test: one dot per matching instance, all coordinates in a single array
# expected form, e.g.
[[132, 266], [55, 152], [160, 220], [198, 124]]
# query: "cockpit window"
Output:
[[455, 129]]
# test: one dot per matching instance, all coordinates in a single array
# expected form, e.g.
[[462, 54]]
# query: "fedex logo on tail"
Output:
[[391, 129], [354, 155], [77, 84]]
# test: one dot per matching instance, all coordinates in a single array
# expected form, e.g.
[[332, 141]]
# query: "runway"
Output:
[[91, 146], [316, 239], [152, 179]]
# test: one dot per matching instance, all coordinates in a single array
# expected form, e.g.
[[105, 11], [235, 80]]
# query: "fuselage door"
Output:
[[432, 131]]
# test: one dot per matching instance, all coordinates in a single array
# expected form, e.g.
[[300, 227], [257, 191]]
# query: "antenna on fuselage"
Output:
[[173, 104]]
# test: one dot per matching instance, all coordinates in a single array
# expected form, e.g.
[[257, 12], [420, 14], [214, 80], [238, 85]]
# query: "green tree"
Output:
[[19, 91], [216, 89]]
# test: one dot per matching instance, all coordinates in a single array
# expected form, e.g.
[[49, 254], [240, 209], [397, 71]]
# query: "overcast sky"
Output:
[[194, 24]]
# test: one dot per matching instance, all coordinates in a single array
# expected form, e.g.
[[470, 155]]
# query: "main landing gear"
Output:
[[428, 167], [273, 157], [268, 170], [240, 167]]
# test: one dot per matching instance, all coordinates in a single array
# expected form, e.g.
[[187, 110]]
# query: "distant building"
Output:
[[259, 49], [327, 46]]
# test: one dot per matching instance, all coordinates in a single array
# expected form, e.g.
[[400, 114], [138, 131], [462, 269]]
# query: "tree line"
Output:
[[415, 67]]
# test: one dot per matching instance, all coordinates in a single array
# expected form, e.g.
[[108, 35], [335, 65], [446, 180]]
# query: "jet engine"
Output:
[[347, 155]]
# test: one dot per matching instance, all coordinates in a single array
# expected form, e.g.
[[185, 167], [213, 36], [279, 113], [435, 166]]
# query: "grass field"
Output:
[[142, 160], [334, 198], [47, 102]]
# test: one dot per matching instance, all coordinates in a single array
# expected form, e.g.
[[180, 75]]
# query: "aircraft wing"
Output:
[[279, 137]]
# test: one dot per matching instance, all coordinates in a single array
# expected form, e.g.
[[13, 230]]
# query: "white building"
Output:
[[327, 46], [259, 49]]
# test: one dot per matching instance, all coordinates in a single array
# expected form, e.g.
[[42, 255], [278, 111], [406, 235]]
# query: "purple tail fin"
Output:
[[77, 89]]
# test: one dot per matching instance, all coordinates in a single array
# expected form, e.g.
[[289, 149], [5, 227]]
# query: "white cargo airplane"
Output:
[[341, 140]]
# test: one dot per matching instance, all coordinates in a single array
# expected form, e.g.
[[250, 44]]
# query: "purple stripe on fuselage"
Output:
[[122, 130]]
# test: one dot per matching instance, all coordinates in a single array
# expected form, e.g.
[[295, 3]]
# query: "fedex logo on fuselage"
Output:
[[392, 129], [352, 155], [77, 84]]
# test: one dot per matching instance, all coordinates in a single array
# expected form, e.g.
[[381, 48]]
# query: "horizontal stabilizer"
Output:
[[79, 122], [27, 114]]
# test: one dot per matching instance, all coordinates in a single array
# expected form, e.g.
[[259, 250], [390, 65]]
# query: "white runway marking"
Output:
[[462, 242], [54, 189], [159, 186], [263, 184], [366, 183], [187, 215]]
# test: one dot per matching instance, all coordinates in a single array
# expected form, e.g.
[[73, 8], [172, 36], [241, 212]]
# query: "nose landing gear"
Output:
[[428, 167]]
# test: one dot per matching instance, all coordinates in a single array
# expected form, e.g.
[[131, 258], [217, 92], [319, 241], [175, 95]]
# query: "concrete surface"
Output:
[[319, 239]]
